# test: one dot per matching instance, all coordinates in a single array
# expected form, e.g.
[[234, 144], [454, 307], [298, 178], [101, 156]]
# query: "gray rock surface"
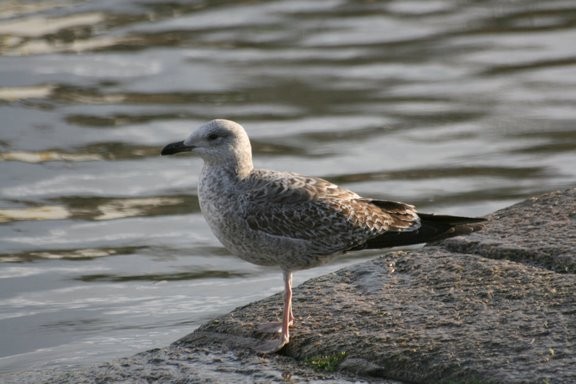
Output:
[[498, 306]]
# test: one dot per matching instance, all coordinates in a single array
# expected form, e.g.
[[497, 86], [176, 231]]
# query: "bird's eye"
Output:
[[212, 136]]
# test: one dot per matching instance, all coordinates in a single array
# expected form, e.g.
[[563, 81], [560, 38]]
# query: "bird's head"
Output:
[[217, 142]]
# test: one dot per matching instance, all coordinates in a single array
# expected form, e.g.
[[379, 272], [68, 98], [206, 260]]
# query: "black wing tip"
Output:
[[433, 228], [450, 220], [447, 226]]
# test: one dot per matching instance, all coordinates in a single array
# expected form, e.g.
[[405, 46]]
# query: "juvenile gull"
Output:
[[292, 221]]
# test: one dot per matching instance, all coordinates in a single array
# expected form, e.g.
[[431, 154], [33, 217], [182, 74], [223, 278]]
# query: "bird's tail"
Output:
[[432, 228]]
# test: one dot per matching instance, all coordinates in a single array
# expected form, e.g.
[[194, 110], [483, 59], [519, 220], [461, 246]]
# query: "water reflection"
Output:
[[457, 107], [44, 156], [75, 254], [99, 208], [447, 172], [35, 213], [209, 274]]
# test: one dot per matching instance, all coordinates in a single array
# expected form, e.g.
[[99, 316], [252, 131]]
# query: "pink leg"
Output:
[[287, 316], [272, 346]]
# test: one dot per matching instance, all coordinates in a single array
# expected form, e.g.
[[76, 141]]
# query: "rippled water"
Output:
[[457, 106]]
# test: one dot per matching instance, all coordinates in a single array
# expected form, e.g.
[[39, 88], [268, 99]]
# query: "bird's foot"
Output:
[[272, 327], [275, 344], [271, 346]]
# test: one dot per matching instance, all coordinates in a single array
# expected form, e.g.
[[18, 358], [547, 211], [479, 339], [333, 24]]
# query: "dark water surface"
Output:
[[460, 107]]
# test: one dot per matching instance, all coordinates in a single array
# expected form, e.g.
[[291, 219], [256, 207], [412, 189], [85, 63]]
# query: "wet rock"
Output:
[[540, 231], [498, 306]]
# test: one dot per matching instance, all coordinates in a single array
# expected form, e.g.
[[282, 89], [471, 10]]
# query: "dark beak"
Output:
[[173, 148]]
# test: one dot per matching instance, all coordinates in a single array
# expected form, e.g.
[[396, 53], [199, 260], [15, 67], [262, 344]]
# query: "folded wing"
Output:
[[331, 218]]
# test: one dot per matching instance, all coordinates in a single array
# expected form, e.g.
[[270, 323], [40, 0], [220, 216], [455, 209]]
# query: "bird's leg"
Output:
[[287, 316], [288, 296], [287, 320], [277, 326]]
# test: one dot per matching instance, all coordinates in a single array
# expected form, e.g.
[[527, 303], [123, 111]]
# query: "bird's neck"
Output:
[[232, 170], [243, 165]]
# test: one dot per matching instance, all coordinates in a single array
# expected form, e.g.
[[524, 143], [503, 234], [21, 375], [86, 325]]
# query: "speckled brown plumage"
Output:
[[333, 219]]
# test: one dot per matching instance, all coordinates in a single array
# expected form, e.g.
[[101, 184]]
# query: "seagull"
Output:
[[291, 221]]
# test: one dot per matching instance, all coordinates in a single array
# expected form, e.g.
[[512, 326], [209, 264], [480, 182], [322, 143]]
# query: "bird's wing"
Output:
[[309, 208]]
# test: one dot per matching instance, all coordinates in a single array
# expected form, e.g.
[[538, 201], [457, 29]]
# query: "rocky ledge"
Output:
[[498, 306]]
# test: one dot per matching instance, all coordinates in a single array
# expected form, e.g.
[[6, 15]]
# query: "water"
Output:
[[460, 107]]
